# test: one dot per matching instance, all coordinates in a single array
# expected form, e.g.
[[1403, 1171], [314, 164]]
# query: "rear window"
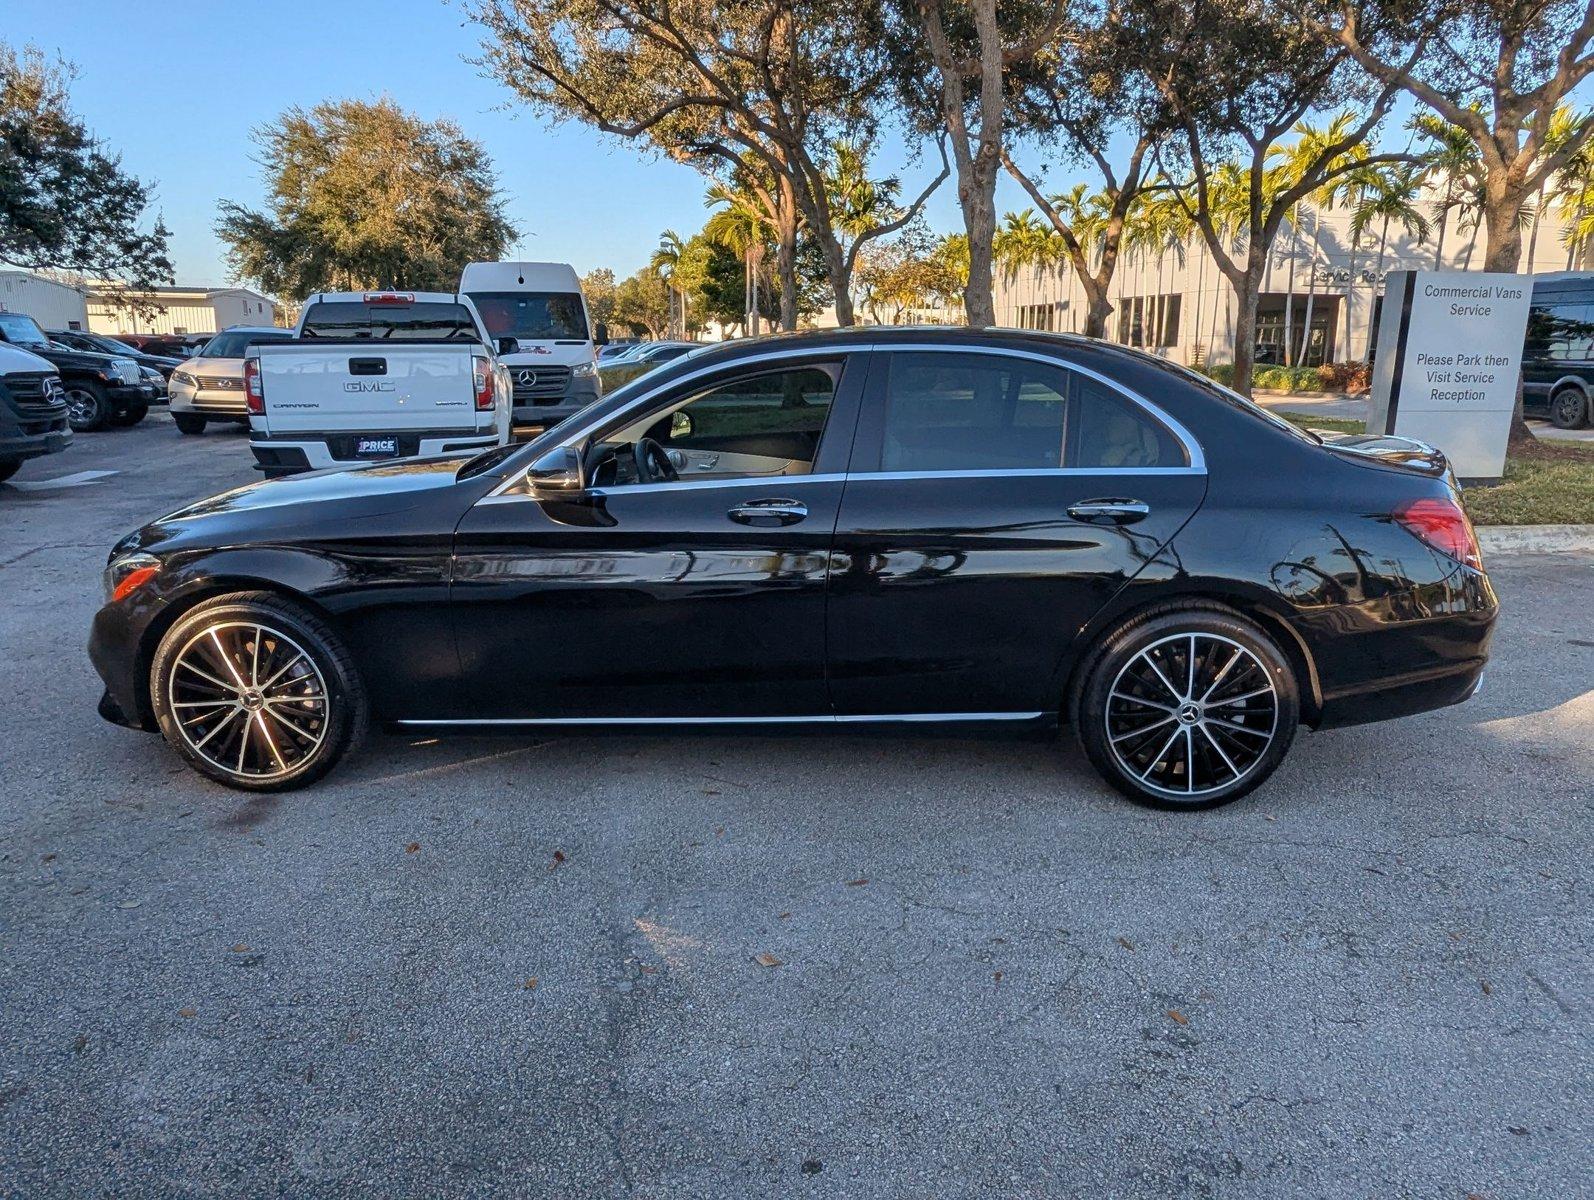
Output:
[[532, 315], [236, 345], [432, 321]]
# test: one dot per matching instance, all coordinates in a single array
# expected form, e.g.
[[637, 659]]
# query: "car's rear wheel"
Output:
[[88, 408], [257, 692], [186, 423], [1569, 408], [1187, 708]]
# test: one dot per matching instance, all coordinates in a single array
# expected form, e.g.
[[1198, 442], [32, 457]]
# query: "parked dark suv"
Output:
[[1558, 358], [32, 410], [99, 343], [101, 389]]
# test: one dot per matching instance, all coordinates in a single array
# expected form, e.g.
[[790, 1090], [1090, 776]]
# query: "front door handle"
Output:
[[768, 512], [1110, 510]]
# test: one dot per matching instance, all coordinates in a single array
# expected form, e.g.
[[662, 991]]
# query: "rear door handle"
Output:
[[768, 512], [1110, 510]]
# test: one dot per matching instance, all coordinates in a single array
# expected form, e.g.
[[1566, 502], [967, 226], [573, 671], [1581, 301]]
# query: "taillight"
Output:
[[1442, 523], [254, 390], [481, 370]]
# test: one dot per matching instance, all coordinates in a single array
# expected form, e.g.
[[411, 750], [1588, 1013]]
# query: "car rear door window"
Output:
[[983, 412], [969, 412]]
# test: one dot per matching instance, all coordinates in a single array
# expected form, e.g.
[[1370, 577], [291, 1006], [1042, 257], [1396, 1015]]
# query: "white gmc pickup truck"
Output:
[[376, 375]]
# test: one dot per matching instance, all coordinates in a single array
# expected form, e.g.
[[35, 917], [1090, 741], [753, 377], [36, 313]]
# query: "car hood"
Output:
[[216, 368], [83, 360], [312, 506], [547, 354]]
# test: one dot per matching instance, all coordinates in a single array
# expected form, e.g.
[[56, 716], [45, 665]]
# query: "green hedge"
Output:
[[1333, 377]]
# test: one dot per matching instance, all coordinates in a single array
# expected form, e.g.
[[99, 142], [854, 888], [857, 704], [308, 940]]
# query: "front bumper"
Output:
[[222, 406], [543, 413], [114, 641], [30, 438], [131, 393]]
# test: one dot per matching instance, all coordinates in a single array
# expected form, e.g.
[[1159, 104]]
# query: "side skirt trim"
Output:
[[826, 719]]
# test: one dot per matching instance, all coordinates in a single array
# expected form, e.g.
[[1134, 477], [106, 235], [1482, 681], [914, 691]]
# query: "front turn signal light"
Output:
[[127, 574]]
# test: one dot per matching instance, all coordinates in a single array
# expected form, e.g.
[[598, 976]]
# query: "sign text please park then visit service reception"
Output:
[[1448, 359]]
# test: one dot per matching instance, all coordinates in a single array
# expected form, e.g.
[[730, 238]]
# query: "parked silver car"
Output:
[[210, 386]]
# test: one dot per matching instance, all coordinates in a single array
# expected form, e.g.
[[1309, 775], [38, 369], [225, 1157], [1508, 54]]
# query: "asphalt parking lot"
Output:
[[531, 966]]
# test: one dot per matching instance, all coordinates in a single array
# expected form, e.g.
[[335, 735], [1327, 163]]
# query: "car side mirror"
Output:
[[600, 334], [680, 425], [556, 474], [508, 345]]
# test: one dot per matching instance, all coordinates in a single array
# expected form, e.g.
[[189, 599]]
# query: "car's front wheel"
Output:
[[257, 692], [88, 408], [187, 423], [1187, 708], [131, 415], [1569, 408]]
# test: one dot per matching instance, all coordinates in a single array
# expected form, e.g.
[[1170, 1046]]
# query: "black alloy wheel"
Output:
[[257, 693], [88, 408], [1188, 709], [1569, 408]]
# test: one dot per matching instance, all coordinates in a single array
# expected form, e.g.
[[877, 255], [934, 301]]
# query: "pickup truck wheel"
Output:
[[1569, 408], [8, 468], [257, 693], [188, 424], [88, 408], [131, 415]]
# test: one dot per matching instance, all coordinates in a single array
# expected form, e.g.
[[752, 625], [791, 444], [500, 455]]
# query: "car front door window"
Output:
[[763, 425]]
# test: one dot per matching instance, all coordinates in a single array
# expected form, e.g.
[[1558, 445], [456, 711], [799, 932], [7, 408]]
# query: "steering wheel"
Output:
[[653, 463]]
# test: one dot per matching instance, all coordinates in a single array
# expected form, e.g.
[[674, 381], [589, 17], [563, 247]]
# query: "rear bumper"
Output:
[[315, 452], [1390, 698]]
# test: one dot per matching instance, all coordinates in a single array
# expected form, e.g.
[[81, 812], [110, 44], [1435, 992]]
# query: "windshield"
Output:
[[425, 320], [236, 344], [23, 331], [532, 315]]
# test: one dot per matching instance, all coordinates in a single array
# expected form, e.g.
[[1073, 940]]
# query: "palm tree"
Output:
[[740, 225], [664, 262], [1392, 194], [1453, 159], [1574, 189], [1023, 241], [1566, 123], [1310, 144]]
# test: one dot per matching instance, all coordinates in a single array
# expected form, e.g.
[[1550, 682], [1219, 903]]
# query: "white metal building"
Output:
[[1321, 292], [179, 310], [53, 304]]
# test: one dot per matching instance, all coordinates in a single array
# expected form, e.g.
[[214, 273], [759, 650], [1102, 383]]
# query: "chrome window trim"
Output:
[[816, 719], [1192, 447]]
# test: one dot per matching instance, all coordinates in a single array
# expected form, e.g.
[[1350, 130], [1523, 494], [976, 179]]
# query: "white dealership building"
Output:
[[1318, 279]]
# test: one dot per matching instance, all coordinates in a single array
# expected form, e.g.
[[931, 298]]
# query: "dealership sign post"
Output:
[[1448, 363]]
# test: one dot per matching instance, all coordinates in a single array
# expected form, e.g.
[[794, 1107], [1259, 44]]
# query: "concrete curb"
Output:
[[1504, 539]]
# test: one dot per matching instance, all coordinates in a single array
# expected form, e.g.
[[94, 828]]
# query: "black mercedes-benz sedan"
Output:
[[876, 525]]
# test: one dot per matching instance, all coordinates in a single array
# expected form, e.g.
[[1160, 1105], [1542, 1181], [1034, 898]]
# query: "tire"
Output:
[[188, 423], [1569, 408], [131, 415], [9, 467], [88, 407], [303, 659], [1216, 749]]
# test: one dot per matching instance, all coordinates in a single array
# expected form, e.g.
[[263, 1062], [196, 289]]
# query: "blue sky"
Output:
[[178, 93]]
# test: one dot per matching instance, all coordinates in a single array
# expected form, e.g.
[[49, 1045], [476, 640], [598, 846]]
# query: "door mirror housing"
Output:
[[508, 345], [556, 474], [680, 424]]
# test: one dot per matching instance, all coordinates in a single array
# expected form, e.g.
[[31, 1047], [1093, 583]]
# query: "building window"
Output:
[[1150, 320], [1045, 317]]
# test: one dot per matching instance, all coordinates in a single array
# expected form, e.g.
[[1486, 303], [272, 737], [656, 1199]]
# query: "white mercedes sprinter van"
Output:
[[539, 318]]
